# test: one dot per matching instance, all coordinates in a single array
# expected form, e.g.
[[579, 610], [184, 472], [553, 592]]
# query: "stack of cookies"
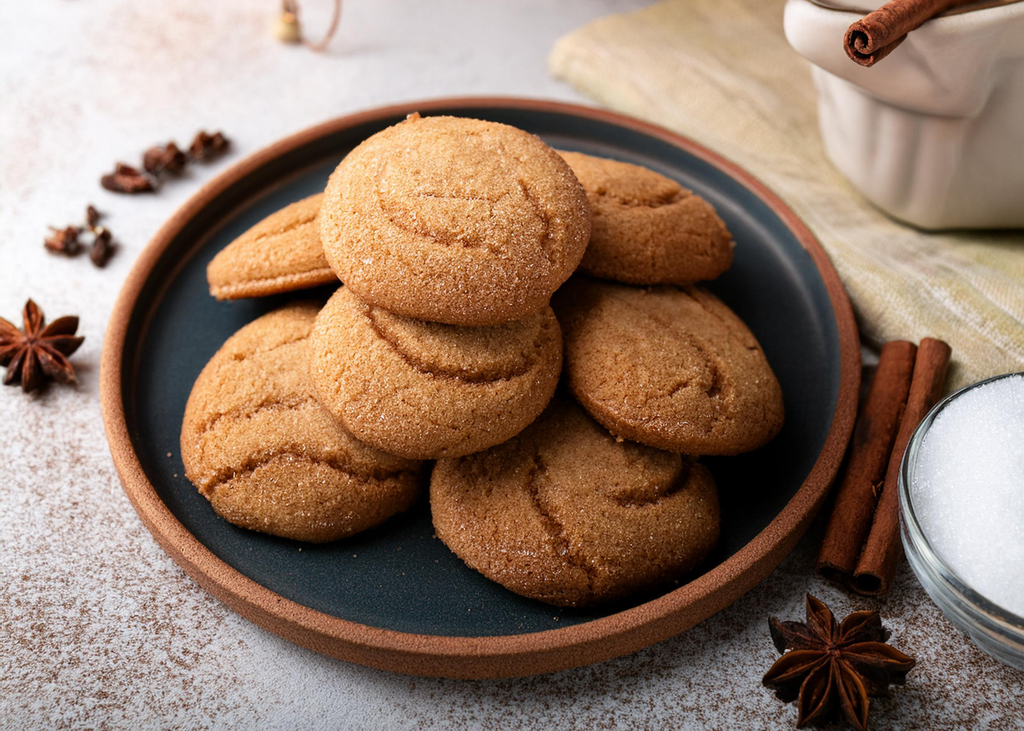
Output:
[[477, 262]]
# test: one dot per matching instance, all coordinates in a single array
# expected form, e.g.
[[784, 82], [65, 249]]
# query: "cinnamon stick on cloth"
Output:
[[876, 35], [870, 449], [877, 563]]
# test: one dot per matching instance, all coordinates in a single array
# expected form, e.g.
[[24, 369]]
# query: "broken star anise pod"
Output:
[[126, 179], [160, 161], [102, 246], [63, 240], [162, 158], [832, 665], [206, 146], [66, 240], [40, 352]]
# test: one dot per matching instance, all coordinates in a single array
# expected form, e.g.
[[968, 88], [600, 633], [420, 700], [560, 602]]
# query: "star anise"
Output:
[[126, 179], [40, 352], [831, 664]]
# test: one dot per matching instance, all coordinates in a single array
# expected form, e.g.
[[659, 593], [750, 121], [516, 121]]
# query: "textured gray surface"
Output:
[[98, 627]]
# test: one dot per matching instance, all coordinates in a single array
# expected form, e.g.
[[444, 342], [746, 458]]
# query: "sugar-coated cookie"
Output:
[[568, 514], [259, 447], [281, 253], [670, 367], [425, 390], [454, 220], [646, 228]]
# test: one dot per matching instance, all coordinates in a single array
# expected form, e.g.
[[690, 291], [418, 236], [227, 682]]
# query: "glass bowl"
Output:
[[995, 630]]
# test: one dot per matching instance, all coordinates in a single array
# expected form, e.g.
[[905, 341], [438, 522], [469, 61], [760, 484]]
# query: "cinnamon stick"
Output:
[[877, 34], [882, 551], [866, 464]]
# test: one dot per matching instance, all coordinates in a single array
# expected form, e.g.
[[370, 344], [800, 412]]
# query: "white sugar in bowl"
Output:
[[961, 494], [934, 133]]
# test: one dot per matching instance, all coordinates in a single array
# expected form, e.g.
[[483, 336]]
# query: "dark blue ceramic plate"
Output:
[[399, 578]]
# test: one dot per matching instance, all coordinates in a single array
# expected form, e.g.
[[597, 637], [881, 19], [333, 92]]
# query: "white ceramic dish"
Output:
[[934, 133]]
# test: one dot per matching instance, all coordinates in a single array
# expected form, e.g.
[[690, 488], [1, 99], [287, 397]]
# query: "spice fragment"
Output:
[[126, 179], [206, 147], [164, 158], [66, 241], [102, 247], [63, 240]]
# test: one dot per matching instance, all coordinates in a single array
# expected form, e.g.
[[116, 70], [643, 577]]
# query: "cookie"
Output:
[[646, 228], [567, 514], [259, 447], [425, 390], [454, 220], [281, 253], [670, 367]]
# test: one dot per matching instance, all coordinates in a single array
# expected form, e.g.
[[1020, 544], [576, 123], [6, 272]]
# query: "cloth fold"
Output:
[[722, 73]]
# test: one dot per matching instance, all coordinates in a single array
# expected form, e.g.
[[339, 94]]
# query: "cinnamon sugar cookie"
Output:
[[646, 228], [260, 448], [670, 367], [567, 514], [281, 253], [454, 220], [425, 390]]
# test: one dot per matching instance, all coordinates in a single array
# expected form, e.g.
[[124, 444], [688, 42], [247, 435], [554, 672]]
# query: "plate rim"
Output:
[[499, 655]]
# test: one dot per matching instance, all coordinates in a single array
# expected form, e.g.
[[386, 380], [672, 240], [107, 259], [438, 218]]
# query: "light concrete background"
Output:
[[98, 627]]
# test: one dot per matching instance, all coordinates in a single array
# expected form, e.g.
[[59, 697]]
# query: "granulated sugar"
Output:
[[968, 489]]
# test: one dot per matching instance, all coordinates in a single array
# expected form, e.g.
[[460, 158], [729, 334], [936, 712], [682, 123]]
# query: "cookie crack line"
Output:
[[247, 413], [631, 501], [434, 238], [718, 384], [545, 221], [545, 237], [554, 529], [427, 369], [663, 201], [340, 465], [728, 325], [242, 357], [291, 227]]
